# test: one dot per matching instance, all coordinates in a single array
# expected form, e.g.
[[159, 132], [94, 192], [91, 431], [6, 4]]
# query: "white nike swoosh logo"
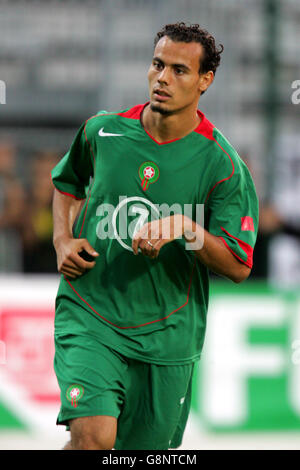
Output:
[[108, 134]]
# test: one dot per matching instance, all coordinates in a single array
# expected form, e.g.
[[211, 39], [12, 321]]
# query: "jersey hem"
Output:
[[138, 357], [154, 361]]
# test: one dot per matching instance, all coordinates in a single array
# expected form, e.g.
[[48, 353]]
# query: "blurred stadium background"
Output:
[[60, 62]]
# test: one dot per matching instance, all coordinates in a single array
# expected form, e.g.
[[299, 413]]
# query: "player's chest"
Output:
[[164, 174]]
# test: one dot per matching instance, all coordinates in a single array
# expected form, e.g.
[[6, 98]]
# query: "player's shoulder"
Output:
[[113, 119], [227, 157], [224, 148], [221, 154], [223, 157], [102, 117], [213, 139]]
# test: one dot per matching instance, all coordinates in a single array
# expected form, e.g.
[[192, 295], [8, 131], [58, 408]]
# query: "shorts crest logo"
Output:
[[74, 393], [148, 173]]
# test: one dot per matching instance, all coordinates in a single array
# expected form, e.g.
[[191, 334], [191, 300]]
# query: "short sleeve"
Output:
[[233, 214], [72, 174]]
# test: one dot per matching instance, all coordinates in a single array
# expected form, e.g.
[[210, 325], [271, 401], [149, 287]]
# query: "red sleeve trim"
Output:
[[244, 246], [71, 195], [67, 194], [247, 263]]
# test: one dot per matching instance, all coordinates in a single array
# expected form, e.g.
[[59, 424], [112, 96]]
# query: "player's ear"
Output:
[[205, 80]]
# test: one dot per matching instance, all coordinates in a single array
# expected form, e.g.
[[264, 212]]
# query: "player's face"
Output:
[[174, 79]]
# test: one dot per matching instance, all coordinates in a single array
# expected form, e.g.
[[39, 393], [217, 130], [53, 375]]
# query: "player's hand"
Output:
[[154, 235], [74, 256]]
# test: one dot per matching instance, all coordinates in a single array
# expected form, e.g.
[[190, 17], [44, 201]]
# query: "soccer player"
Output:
[[131, 306]]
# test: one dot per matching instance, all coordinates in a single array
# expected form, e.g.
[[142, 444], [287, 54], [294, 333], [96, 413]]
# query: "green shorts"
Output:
[[151, 402]]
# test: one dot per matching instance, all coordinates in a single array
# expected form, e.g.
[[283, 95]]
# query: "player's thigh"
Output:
[[91, 378], [156, 406], [93, 432]]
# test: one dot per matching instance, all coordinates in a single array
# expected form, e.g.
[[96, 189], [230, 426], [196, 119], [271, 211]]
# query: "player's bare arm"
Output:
[[69, 262], [214, 254]]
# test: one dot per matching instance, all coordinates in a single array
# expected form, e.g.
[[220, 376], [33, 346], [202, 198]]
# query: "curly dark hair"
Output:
[[182, 32]]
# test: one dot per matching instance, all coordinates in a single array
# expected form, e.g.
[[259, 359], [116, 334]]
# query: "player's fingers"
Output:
[[156, 248], [68, 274], [146, 247], [79, 262], [153, 253], [75, 271], [90, 250], [142, 246], [140, 236], [70, 264], [135, 244], [136, 240]]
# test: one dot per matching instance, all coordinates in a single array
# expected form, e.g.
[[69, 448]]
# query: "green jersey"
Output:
[[150, 309]]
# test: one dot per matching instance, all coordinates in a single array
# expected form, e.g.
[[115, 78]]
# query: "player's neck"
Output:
[[165, 128]]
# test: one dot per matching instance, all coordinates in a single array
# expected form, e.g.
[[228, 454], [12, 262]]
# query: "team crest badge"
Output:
[[148, 173], [74, 393]]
